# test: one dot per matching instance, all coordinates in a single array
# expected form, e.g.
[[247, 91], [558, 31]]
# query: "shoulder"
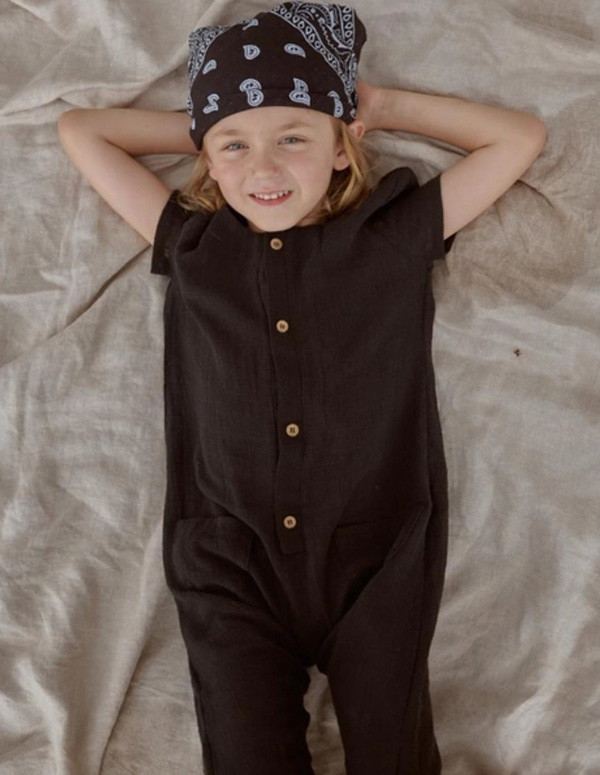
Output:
[[169, 227], [412, 212]]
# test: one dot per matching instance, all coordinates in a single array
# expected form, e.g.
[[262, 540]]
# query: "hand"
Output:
[[369, 98]]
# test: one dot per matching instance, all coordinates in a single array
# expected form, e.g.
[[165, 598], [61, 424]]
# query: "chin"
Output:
[[279, 223]]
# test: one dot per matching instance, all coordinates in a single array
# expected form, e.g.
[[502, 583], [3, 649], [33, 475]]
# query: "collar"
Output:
[[229, 223]]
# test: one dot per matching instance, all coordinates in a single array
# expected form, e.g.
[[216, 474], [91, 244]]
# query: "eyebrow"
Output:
[[233, 132]]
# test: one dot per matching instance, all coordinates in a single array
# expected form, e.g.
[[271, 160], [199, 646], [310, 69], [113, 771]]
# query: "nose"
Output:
[[264, 162]]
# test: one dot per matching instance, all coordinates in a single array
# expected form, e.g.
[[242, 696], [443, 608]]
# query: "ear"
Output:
[[358, 128], [341, 160]]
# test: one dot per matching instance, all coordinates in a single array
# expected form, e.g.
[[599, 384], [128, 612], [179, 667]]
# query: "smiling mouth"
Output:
[[276, 197]]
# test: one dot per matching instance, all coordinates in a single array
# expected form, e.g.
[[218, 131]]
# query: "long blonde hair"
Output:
[[347, 189]]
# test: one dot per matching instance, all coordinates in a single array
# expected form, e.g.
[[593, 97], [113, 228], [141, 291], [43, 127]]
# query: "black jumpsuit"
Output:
[[306, 505]]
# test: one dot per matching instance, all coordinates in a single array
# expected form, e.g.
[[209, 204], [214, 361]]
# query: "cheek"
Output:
[[314, 170], [320, 174], [226, 175]]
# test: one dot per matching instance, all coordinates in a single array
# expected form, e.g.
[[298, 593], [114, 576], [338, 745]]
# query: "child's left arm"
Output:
[[503, 143]]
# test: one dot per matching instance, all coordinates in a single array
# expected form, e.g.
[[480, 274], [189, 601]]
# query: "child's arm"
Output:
[[101, 143], [503, 143]]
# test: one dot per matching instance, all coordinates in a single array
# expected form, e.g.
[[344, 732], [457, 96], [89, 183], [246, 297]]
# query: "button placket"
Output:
[[288, 472]]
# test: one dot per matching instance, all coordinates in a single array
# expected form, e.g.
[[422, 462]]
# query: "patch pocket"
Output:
[[362, 548], [212, 555]]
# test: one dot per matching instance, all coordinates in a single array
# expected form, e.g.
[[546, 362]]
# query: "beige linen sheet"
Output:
[[93, 672]]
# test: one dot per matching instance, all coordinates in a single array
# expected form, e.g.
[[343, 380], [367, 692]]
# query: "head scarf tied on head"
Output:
[[295, 55]]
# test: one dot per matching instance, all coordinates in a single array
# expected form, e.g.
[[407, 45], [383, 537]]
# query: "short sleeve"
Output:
[[432, 194], [419, 216], [169, 226]]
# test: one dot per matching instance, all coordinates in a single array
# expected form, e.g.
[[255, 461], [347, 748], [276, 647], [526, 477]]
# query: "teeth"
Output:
[[277, 195]]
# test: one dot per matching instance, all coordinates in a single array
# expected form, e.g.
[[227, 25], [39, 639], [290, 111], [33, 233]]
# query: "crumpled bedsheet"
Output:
[[93, 672]]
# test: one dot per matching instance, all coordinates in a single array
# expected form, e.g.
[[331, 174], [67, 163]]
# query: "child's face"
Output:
[[262, 156]]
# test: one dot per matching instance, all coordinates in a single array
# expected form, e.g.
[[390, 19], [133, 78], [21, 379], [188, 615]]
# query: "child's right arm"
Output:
[[101, 143]]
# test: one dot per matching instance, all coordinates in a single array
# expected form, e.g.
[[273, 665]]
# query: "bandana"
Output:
[[295, 55]]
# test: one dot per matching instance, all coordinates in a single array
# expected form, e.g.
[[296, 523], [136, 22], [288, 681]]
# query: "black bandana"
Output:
[[295, 55]]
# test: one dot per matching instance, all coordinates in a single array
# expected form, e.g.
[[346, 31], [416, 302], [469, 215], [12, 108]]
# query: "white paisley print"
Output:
[[331, 31], [199, 42]]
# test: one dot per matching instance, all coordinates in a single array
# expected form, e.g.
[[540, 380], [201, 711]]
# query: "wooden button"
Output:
[[292, 429], [282, 325], [276, 243], [290, 521]]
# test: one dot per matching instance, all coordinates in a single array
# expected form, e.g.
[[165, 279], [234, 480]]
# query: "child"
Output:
[[306, 505]]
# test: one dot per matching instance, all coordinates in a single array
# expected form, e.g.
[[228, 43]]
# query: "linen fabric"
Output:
[[93, 670], [306, 506]]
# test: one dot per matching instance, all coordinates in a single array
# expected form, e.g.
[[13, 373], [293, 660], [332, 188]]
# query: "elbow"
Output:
[[65, 120], [528, 132], [69, 130], [70, 118], [538, 132], [72, 127], [532, 138]]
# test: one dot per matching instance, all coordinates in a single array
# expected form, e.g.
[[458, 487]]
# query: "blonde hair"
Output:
[[347, 189]]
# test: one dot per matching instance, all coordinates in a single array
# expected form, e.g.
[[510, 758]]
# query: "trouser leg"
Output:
[[248, 690], [376, 662], [248, 674]]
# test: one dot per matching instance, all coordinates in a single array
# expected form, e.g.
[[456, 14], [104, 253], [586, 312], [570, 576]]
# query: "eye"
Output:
[[237, 146]]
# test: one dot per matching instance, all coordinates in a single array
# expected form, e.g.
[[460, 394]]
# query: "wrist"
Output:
[[378, 109], [391, 109], [370, 105]]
